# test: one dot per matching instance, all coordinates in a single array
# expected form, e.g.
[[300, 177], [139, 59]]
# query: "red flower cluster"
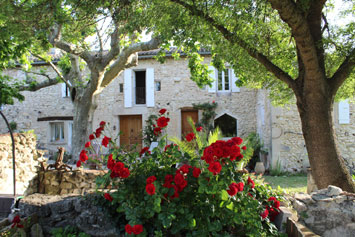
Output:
[[157, 131], [162, 111], [162, 121], [117, 168], [83, 157], [105, 141], [222, 149], [251, 182], [16, 222], [88, 144], [144, 150], [199, 129], [196, 172], [150, 188], [136, 229], [273, 210], [234, 188], [189, 137], [102, 124], [215, 167], [108, 197]]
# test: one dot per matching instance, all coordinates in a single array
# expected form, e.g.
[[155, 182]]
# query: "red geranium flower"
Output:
[[91, 137], [157, 131], [105, 141], [150, 189], [215, 167], [108, 197], [162, 122], [88, 144], [185, 168], [237, 140], [98, 132], [232, 189], [196, 172], [124, 173], [137, 229], [264, 214], [128, 228], [240, 186], [190, 136], [244, 148], [275, 202], [199, 129], [102, 124], [78, 163], [251, 182], [151, 179], [16, 222], [144, 150], [162, 111], [83, 156]]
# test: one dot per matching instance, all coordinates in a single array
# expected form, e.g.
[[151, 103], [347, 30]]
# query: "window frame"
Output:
[[223, 76], [52, 132]]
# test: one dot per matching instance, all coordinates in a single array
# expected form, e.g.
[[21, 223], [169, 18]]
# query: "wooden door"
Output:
[[131, 131], [185, 126]]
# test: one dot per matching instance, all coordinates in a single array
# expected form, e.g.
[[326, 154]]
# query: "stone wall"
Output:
[[26, 163], [288, 146], [327, 212], [68, 210], [56, 182]]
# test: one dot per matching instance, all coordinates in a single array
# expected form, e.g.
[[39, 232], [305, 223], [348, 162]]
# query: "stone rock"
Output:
[[36, 231], [303, 197], [299, 206], [71, 210], [341, 231], [333, 191]]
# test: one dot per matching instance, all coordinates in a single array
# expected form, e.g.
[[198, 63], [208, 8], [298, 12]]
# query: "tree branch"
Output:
[[233, 38], [342, 73], [128, 58], [34, 86], [55, 39], [54, 68]]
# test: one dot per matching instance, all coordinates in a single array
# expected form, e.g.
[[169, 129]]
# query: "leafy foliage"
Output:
[[9, 91], [208, 114]]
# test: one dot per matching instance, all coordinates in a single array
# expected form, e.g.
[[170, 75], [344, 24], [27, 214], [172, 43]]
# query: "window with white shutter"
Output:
[[128, 88], [150, 87]]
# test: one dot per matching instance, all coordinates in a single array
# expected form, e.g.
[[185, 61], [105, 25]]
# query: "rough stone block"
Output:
[[65, 185], [334, 191], [299, 206]]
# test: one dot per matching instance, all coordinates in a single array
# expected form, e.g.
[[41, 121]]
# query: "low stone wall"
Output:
[[328, 212], [27, 164], [68, 210], [56, 182]]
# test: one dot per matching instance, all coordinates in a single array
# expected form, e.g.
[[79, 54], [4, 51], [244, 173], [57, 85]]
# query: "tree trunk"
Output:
[[317, 125], [84, 108]]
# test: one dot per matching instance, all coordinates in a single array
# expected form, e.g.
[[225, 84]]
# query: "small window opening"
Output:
[[140, 87]]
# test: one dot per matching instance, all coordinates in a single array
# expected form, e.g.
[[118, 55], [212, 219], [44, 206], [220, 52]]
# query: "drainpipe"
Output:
[[13, 152]]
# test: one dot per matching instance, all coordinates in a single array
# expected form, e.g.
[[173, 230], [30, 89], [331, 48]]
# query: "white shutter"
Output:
[[70, 133], [234, 79], [344, 112], [128, 88], [212, 88], [150, 87], [64, 87]]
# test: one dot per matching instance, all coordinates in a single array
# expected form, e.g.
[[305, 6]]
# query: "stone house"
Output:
[[142, 90]]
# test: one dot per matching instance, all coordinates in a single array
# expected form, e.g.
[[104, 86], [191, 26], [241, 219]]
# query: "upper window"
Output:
[[57, 131], [65, 90], [223, 80], [140, 87], [227, 124]]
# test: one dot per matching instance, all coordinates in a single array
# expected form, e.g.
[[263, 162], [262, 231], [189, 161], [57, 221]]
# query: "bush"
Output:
[[193, 189]]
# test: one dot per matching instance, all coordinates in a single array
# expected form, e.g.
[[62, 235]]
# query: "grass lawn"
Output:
[[290, 184]]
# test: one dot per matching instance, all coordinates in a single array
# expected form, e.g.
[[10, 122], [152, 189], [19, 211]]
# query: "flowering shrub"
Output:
[[193, 188]]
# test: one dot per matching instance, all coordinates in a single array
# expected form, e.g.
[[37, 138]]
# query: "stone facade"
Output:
[[27, 163], [328, 212], [279, 128]]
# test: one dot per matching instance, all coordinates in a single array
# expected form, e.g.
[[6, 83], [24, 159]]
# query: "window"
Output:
[[227, 124], [57, 131], [140, 87], [223, 80], [157, 86], [65, 90], [121, 87]]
